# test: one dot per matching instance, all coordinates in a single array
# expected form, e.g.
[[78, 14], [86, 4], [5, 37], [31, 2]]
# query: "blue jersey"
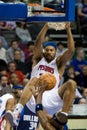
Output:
[[29, 120], [78, 64]]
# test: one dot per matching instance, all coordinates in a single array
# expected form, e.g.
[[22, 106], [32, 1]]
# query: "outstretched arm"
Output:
[[67, 55], [38, 50]]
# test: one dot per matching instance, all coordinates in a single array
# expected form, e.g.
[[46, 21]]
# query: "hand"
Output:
[[67, 25], [35, 91], [42, 87]]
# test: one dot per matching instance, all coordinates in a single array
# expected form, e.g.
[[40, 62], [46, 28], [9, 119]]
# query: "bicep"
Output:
[[61, 62], [67, 56]]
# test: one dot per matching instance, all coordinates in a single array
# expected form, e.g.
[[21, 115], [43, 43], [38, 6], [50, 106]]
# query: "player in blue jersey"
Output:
[[56, 122]]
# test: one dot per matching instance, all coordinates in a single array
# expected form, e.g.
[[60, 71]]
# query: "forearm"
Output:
[[71, 46], [38, 49], [42, 114], [39, 98], [41, 35], [27, 92]]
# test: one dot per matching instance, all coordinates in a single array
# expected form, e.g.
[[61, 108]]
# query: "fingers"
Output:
[[35, 91], [67, 25]]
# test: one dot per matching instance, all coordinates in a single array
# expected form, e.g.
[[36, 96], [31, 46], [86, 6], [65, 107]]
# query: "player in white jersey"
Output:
[[44, 61], [3, 106]]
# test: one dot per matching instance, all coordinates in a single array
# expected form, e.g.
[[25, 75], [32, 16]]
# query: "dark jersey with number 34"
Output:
[[28, 121]]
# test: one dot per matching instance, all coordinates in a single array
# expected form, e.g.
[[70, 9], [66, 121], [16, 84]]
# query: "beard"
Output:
[[48, 58]]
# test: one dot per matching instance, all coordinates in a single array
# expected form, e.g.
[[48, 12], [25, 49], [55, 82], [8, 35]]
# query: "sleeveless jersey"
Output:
[[50, 100], [29, 120], [3, 101], [43, 66]]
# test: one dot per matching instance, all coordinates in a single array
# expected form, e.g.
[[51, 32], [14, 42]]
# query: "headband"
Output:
[[17, 87], [53, 44]]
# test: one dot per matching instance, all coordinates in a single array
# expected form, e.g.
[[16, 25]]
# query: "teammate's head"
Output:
[[17, 90], [49, 50]]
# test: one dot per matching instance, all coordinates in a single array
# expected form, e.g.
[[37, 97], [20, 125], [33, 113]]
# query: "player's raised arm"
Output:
[[67, 55], [38, 50]]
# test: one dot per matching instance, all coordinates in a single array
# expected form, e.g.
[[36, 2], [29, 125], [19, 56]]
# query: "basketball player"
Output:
[[47, 121], [7, 101], [4, 106], [44, 61]]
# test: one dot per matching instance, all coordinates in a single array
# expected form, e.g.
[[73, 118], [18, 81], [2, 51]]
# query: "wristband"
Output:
[[59, 122], [39, 107]]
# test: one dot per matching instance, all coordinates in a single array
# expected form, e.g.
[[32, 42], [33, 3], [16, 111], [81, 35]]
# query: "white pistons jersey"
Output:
[[50, 100], [3, 101], [43, 66]]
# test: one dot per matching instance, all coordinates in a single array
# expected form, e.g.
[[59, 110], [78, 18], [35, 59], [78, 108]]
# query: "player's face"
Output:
[[49, 53], [18, 93]]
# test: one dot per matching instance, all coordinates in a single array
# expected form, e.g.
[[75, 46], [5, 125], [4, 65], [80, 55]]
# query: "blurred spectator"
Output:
[[84, 93], [7, 25], [82, 78], [2, 52], [80, 101], [12, 69], [5, 44], [3, 81], [60, 49], [11, 25], [14, 79], [4, 87], [82, 11], [3, 26], [29, 64], [79, 61], [3, 64], [29, 50], [3, 70], [19, 64], [23, 33], [10, 51], [69, 74]]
